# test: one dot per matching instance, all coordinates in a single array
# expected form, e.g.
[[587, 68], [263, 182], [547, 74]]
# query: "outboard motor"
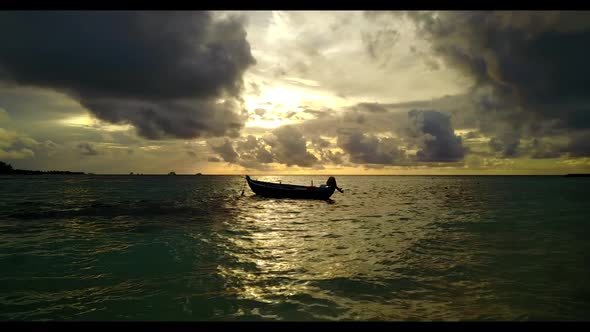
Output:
[[332, 183]]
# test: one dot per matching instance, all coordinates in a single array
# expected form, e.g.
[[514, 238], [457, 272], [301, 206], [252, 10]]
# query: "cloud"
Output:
[[87, 149], [11, 138], [364, 130], [263, 156], [379, 44], [253, 152], [213, 159], [226, 151], [250, 152], [366, 149], [330, 157], [355, 117], [318, 113], [15, 146], [320, 143], [541, 149], [173, 74], [285, 145], [332, 49], [474, 162], [529, 69], [579, 145], [435, 136], [246, 151], [16, 154], [471, 135], [289, 147], [507, 145], [182, 119]]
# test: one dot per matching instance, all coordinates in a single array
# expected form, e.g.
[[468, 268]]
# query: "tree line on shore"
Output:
[[6, 168]]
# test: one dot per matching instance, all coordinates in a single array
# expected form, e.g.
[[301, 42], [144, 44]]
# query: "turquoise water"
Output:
[[389, 248]]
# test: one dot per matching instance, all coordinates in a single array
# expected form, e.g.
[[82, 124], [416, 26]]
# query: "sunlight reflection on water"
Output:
[[389, 248]]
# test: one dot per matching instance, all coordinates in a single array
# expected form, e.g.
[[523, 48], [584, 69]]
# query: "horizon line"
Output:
[[254, 174]]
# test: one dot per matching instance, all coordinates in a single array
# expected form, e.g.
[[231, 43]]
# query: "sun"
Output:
[[284, 104]]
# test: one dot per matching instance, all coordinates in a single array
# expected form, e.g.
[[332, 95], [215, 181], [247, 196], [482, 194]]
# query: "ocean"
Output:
[[390, 248]]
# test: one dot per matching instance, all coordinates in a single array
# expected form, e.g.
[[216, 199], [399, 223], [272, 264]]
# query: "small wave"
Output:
[[372, 216], [112, 210]]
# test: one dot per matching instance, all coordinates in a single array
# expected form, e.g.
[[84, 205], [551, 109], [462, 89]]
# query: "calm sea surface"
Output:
[[389, 248]]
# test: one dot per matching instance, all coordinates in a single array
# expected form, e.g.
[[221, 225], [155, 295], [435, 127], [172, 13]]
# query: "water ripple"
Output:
[[389, 248]]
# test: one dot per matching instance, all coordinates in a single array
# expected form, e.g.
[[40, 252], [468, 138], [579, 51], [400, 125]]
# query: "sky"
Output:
[[296, 92]]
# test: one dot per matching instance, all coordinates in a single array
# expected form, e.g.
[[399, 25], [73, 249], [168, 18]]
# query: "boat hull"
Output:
[[275, 190]]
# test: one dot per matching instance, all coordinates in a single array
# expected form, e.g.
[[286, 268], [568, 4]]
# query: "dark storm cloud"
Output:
[[161, 72], [381, 118], [579, 145], [336, 158], [263, 156], [226, 151], [326, 155], [527, 67], [289, 147], [156, 120], [87, 149], [248, 144], [435, 136], [367, 149], [542, 149], [253, 152], [250, 152], [506, 144], [333, 123], [431, 132]]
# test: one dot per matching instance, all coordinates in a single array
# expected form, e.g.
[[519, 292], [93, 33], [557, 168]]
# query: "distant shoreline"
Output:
[[6, 169], [28, 172]]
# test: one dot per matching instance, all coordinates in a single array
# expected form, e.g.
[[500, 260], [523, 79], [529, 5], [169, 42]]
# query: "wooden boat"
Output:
[[278, 190]]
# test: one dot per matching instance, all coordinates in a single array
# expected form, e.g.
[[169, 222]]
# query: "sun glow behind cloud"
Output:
[[279, 102], [329, 75], [86, 121]]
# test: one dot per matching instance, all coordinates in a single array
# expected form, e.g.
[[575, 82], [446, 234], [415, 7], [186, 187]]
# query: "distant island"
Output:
[[577, 175], [7, 169]]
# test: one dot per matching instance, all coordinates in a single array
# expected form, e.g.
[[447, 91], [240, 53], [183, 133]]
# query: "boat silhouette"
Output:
[[279, 190]]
